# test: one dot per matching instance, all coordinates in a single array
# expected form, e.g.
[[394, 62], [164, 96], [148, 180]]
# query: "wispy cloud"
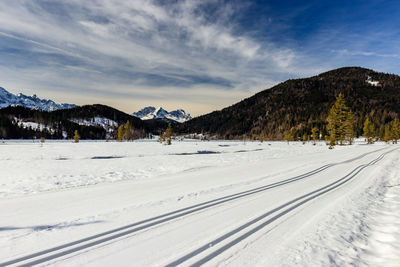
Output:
[[137, 44], [145, 52]]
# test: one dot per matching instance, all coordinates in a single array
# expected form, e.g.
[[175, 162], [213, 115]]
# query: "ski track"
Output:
[[305, 198]]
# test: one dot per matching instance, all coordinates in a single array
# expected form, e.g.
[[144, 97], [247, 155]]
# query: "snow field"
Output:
[[61, 192]]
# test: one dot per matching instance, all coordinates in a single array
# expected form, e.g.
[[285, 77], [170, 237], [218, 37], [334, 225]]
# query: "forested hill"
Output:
[[301, 104], [91, 121]]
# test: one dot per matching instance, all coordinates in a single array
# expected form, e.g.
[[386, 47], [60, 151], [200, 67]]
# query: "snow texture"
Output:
[[107, 124], [305, 205], [371, 82]]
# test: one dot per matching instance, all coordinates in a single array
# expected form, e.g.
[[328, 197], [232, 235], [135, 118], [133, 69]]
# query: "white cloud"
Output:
[[140, 44]]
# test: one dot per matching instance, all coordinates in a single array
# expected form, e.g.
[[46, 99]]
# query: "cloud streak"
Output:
[[146, 51]]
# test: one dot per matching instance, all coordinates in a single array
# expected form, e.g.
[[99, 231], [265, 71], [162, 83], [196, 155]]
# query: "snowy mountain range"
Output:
[[32, 102], [150, 113]]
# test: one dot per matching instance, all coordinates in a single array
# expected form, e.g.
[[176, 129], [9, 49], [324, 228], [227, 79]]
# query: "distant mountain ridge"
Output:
[[152, 113], [32, 102], [91, 121]]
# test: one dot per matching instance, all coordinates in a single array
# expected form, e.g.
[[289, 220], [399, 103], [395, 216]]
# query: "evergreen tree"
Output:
[[168, 134], [349, 128], [162, 138], [381, 133], [395, 131], [369, 131], [305, 138], [120, 133], [76, 136], [340, 122], [326, 138], [332, 140], [288, 137], [128, 135], [388, 133], [314, 134]]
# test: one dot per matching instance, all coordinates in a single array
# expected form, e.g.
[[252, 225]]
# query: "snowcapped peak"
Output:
[[160, 112], [32, 102], [4, 93], [149, 113]]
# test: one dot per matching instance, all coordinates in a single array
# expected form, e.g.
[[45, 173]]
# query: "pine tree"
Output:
[[120, 133], [369, 131], [327, 140], [161, 138], [332, 140], [349, 127], [339, 119], [314, 134], [288, 137], [305, 138], [168, 134], [381, 132], [128, 131], [395, 131], [76, 136], [388, 133]]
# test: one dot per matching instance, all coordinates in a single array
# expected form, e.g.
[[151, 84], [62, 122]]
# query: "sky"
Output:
[[197, 55]]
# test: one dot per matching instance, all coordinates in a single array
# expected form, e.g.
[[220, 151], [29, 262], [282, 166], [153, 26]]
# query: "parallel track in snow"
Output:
[[267, 218], [101, 238]]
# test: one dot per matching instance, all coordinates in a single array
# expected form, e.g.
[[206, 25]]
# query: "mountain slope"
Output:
[[32, 102], [152, 113], [91, 121], [301, 104]]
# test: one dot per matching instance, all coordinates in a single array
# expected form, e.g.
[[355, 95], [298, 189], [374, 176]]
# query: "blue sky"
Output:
[[196, 55]]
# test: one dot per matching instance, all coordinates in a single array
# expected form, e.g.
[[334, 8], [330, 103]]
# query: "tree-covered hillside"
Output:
[[63, 123], [298, 105]]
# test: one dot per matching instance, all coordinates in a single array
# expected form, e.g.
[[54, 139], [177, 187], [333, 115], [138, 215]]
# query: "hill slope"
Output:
[[91, 121], [300, 104]]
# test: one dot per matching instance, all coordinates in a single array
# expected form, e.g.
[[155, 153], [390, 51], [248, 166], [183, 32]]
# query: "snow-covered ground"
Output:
[[214, 203]]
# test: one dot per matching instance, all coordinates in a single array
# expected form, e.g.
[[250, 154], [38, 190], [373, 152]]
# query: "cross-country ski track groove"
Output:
[[300, 201], [104, 237]]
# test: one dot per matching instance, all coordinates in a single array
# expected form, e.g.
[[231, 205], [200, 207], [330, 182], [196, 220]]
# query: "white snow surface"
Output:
[[107, 124], [34, 126], [372, 82], [343, 214]]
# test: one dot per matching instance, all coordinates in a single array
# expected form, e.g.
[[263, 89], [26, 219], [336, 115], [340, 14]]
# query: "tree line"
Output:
[[341, 128]]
